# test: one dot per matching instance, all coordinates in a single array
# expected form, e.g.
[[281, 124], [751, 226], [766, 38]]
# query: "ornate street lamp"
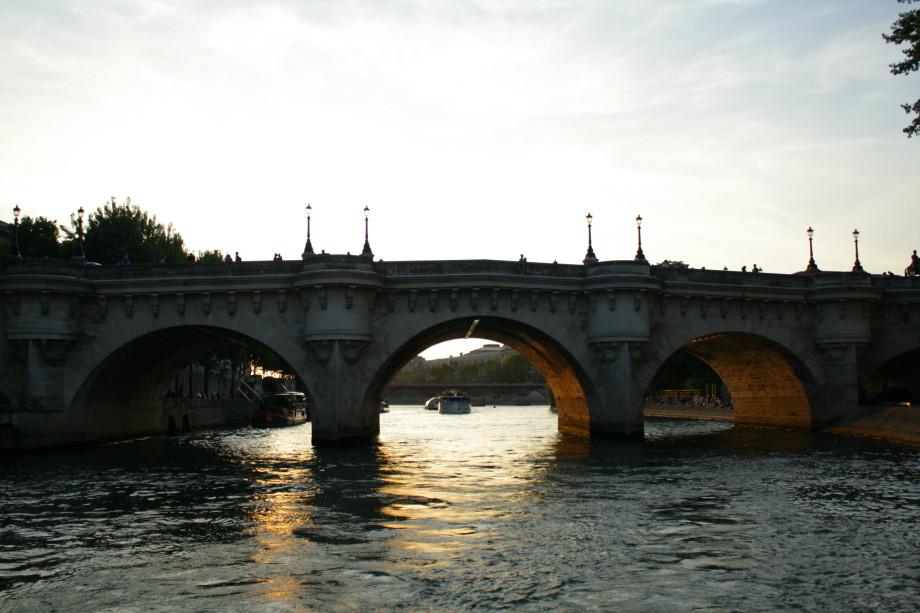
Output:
[[812, 267], [857, 267], [16, 211], [367, 245], [639, 255], [590, 258], [82, 256], [308, 248]]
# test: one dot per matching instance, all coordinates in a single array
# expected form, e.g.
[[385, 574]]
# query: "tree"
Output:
[[38, 238], [210, 256], [468, 373], [114, 231], [907, 30], [673, 264], [518, 369]]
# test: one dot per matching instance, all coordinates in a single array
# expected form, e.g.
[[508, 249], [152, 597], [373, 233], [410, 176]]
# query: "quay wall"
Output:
[[897, 423]]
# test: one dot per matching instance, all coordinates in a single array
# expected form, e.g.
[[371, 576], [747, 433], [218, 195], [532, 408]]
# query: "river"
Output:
[[492, 510]]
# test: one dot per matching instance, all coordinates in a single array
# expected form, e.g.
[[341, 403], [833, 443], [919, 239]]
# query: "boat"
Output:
[[432, 403], [279, 410], [452, 402], [384, 406]]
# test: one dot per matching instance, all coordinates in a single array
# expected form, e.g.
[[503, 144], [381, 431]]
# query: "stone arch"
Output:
[[769, 384], [124, 394], [564, 374], [893, 381]]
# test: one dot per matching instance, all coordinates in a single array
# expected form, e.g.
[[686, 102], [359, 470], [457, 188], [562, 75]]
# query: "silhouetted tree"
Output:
[[113, 231], [38, 238], [906, 30], [210, 256]]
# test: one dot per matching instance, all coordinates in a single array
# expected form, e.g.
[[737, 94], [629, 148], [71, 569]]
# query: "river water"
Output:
[[492, 510]]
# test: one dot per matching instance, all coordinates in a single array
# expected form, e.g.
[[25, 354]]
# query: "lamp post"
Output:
[[366, 252], [590, 258], [82, 256], [639, 255], [308, 248], [812, 267], [857, 267], [16, 211]]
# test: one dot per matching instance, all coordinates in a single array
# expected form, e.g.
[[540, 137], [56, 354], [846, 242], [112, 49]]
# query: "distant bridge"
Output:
[[90, 351]]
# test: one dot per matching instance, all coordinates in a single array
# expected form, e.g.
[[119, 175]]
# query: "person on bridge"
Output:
[[238, 258], [914, 268]]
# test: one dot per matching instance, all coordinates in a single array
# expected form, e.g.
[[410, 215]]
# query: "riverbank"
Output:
[[896, 423], [680, 411]]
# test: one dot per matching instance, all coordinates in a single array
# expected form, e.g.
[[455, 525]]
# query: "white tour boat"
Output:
[[453, 402]]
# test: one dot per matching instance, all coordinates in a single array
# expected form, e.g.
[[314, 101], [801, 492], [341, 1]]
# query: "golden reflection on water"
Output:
[[420, 493], [281, 507]]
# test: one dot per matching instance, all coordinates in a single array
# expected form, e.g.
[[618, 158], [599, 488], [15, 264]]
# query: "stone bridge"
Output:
[[88, 352]]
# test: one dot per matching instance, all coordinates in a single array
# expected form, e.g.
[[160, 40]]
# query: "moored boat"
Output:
[[279, 410], [452, 402]]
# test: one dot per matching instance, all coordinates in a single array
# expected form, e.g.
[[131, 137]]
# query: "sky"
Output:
[[471, 129]]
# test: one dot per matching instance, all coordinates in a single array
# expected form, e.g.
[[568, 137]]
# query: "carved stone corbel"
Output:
[[103, 307], [474, 299], [257, 301], [351, 350], [206, 303], [321, 297], [155, 305], [515, 297], [611, 300], [129, 306], [54, 352], [454, 296], [553, 299], [321, 350], [494, 301], [433, 300], [282, 300], [534, 299], [350, 296], [413, 298], [45, 301]]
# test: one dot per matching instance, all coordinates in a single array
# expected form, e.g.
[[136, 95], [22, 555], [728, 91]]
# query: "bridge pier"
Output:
[[615, 407], [341, 413]]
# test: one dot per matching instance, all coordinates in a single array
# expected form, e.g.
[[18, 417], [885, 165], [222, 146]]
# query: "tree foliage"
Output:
[[906, 31], [38, 238], [113, 231], [211, 256]]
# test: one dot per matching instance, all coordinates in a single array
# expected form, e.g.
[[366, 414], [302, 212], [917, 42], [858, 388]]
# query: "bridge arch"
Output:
[[891, 371], [558, 363], [769, 383], [123, 394]]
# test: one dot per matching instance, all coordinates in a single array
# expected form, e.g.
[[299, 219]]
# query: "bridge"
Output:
[[88, 352]]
